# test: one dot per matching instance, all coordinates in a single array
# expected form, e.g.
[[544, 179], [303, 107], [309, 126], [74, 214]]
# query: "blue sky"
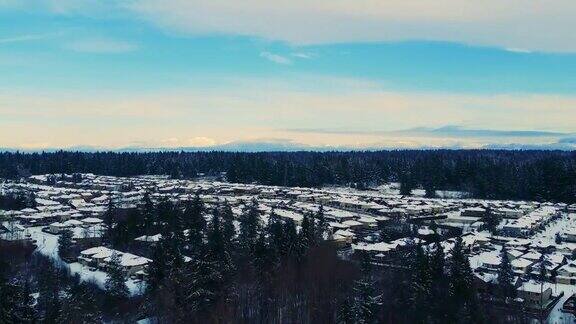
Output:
[[178, 73]]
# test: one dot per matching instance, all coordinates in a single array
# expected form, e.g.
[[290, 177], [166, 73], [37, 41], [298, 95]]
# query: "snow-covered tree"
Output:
[[116, 281], [505, 275], [250, 224], [65, 244]]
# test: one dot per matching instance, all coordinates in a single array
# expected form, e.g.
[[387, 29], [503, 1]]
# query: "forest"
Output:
[[488, 174]]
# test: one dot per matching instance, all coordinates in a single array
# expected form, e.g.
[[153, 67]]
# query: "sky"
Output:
[[308, 74]]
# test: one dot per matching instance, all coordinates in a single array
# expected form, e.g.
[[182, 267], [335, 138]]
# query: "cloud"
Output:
[[101, 46], [302, 55], [518, 50], [276, 58], [529, 25], [515, 25], [24, 38]]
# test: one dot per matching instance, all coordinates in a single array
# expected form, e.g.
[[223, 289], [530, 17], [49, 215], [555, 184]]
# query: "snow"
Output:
[[48, 246]]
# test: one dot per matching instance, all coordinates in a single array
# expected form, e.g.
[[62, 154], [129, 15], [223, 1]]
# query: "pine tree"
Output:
[[15, 300], [116, 281], [228, 229], [148, 215], [307, 235], [263, 259], [505, 275], [205, 284], [167, 258], [366, 302], [217, 248], [195, 223], [109, 219], [250, 224], [290, 240], [406, 183], [345, 313], [65, 244], [49, 286], [421, 285], [275, 233], [463, 297], [79, 305], [491, 220], [322, 229], [439, 284]]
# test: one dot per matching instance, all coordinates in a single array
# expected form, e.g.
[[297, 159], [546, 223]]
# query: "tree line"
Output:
[[492, 174]]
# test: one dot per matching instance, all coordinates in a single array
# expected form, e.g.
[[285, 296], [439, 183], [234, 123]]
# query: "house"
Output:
[[513, 254], [535, 295], [569, 235], [343, 237], [491, 261], [474, 212], [521, 265], [14, 232], [57, 227], [101, 256], [567, 274]]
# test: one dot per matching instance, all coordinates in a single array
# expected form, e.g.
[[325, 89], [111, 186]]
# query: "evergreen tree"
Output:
[[307, 235], [505, 275], [228, 229], [65, 244], [148, 215], [49, 285], [406, 183], [116, 281], [79, 305], [322, 228], [346, 313], [464, 303], [250, 224], [205, 284], [491, 220], [263, 259], [439, 284], [275, 234], [195, 223], [421, 286], [217, 247], [290, 241], [167, 258], [15, 300], [109, 218], [365, 303]]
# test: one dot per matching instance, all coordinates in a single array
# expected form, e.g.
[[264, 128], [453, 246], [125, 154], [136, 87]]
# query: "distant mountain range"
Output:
[[290, 146]]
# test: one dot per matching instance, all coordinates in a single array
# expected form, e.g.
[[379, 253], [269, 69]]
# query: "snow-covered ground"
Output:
[[548, 235], [557, 316], [48, 246]]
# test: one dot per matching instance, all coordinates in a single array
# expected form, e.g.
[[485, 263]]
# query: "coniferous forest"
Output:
[[490, 174]]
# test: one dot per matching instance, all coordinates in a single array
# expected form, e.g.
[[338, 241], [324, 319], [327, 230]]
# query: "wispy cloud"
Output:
[[302, 55], [518, 50], [24, 38], [505, 24], [279, 59], [102, 46]]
